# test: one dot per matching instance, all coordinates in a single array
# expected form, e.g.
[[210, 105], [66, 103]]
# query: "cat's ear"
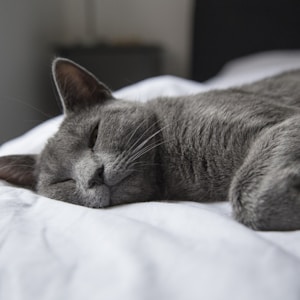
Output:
[[78, 88], [19, 170]]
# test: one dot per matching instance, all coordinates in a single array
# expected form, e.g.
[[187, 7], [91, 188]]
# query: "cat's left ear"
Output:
[[19, 170], [78, 88]]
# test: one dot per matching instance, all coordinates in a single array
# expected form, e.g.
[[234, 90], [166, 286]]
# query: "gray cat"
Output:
[[240, 144]]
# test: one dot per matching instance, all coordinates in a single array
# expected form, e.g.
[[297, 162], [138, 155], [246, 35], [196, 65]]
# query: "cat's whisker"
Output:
[[134, 132], [147, 140], [28, 105], [140, 148], [139, 139], [141, 163], [145, 150]]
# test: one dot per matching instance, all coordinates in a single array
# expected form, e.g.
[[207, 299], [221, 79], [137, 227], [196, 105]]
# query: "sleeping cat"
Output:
[[240, 144]]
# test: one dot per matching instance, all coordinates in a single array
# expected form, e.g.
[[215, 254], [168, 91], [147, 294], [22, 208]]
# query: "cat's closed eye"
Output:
[[93, 137]]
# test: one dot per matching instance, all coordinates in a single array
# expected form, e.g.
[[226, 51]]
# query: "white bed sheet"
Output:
[[155, 250]]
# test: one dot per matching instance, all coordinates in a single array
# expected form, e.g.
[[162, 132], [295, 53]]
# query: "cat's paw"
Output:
[[274, 205]]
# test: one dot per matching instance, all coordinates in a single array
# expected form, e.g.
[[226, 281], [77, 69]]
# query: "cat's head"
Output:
[[104, 153]]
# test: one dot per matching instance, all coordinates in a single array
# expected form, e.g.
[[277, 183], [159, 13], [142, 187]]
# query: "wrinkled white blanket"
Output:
[[155, 250]]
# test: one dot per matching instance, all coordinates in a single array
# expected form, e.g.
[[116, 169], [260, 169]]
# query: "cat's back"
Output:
[[283, 88], [224, 106]]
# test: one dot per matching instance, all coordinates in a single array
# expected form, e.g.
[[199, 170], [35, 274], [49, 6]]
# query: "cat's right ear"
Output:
[[78, 89], [19, 170]]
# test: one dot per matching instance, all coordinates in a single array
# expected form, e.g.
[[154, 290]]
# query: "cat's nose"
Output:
[[97, 178]]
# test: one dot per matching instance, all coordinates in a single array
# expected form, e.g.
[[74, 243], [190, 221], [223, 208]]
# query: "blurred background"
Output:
[[121, 41]]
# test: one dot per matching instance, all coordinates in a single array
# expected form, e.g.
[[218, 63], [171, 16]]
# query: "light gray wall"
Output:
[[25, 34]]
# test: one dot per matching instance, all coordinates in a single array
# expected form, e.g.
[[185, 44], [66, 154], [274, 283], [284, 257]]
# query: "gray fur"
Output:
[[240, 144]]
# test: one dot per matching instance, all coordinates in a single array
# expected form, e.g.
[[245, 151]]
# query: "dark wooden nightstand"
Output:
[[117, 66]]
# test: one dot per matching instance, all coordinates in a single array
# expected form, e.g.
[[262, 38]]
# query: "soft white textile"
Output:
[[155, 250]]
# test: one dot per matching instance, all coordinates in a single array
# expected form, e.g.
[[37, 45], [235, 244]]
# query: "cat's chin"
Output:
[[97, 198], [97, 205]]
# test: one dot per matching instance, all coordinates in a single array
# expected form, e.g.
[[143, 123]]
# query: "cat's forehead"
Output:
[[123, 108], [116, 117], [114, 113]]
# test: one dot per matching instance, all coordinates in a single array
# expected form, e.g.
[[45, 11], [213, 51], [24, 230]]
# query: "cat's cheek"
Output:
[[127, 192], [63, 191], [96, 198]]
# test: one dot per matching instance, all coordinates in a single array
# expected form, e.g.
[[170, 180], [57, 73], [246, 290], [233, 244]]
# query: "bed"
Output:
[[153, 250]]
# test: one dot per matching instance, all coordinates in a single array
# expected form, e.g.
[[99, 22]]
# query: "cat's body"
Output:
[[209, 135], [240, 144]]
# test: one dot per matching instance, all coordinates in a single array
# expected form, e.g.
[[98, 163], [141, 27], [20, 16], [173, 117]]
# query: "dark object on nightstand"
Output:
[[117, 66]]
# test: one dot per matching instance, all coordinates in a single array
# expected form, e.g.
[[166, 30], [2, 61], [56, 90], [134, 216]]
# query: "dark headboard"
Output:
[[228, 29]]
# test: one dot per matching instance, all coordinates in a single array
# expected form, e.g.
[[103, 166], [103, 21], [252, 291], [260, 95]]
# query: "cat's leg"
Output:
[[265, 191]]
